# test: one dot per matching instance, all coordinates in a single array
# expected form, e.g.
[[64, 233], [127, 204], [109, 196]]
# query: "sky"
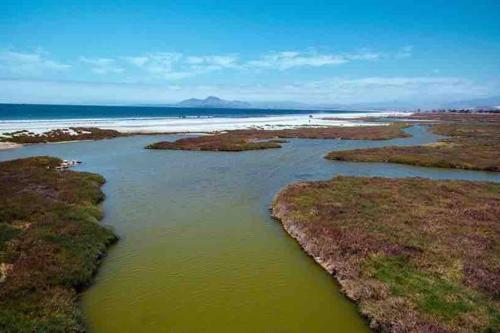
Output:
[[317, 52]]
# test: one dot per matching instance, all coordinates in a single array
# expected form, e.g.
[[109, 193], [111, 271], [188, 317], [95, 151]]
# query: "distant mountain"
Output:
[[213, 102]]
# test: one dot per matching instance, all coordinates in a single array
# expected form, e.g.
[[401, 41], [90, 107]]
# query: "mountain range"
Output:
[[213, 102], [216, 102]]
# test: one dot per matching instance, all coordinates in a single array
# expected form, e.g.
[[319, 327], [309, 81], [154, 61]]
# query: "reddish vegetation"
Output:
[[435, 117], [241, 140], [469, 146], [416, 255], [217, 142], [61, 135], [50, 244], [455, 116]]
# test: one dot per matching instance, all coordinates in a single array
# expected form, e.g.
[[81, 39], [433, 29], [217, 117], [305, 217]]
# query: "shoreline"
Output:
[[297, 232], [191, 124], [299, 236], [7, 145], [236, 138]]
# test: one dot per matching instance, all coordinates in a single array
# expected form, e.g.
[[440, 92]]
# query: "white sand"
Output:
[[9, 145], [191, 124]]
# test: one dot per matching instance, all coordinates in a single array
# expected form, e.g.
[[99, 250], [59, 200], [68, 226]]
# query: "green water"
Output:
[[198, 250]]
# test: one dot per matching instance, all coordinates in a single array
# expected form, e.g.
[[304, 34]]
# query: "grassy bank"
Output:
[[61, 135], [50, 244], [416, 255], [241, 140], [469, 146]]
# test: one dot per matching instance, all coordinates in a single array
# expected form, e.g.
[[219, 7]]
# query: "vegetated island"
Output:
[[252, 139], [61, 135], [50, 244], [471, 145], [416, 255], [455, 116]]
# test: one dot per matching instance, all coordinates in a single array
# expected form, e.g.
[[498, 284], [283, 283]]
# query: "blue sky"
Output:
[[126, 52]]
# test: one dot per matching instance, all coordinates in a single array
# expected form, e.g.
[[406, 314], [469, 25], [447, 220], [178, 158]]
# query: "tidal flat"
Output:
[[198, 249]]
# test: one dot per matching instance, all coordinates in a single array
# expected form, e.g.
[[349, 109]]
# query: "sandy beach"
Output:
[[9, 145], [190, 124]]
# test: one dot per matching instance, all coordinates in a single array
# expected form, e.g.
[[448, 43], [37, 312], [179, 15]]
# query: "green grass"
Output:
[[432, 294]]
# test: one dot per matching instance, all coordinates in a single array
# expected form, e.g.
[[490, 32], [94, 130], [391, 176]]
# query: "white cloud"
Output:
[[178, 65], [167, 66], [161, 65], [289, 59], [384, 89], [419, 91], [102, 65], [174, 66], [29, 64], [214, 61]]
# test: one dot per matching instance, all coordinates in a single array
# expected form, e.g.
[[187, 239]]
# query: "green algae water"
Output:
[[199, 251]]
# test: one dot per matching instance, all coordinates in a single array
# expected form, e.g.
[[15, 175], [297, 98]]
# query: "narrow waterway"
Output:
[[199, 251]]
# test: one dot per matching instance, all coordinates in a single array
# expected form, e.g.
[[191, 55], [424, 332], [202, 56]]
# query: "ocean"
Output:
[[41, 112], [41, 118]]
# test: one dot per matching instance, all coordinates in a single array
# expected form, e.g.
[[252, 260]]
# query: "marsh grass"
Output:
[[242, 140], [60, 135], [436, 297], [417, 255], [473, 146], [50, 243], [218, 142]]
